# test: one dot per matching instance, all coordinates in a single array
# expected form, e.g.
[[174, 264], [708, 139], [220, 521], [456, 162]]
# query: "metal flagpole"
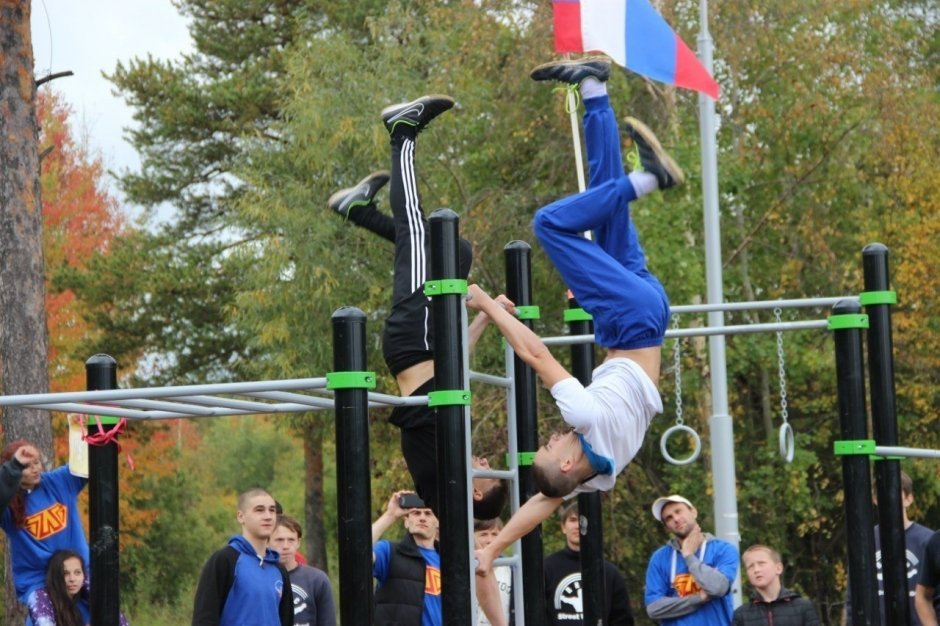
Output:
[[721, 428]]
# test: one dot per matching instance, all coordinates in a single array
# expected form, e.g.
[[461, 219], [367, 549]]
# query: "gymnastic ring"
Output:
[[787, 443], [675, 429]]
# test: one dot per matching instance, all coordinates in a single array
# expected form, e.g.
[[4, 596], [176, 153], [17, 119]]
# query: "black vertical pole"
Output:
[[863, 586], [877, 300], [453, 494], [101, 375], [593, 593], [519, 289], [353, 494]]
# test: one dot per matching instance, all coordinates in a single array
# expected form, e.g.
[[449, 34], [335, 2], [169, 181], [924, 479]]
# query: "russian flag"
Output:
[[635, 36]]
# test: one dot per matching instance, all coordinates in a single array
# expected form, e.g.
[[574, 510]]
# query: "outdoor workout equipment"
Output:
[[786, 442], [856, 449], [590, 520], [529, 588], [679, 426], [347, 391]]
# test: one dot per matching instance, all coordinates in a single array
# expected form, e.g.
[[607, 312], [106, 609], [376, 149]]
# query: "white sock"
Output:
[[592, 88], [643, 183]]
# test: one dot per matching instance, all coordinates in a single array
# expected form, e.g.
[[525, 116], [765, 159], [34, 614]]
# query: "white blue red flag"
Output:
[[633, 35]]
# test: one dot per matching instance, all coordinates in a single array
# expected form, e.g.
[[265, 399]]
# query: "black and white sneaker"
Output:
[[651, 155], [573, 71], [417, 113], [359, 195]]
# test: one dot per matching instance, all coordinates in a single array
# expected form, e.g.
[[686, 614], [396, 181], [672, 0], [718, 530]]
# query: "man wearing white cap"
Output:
[[688, 581]]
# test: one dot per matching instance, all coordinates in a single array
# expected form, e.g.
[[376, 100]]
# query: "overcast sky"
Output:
[[89, 37]]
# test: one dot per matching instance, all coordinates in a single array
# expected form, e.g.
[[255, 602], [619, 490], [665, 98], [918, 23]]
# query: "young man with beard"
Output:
[[409, 571], [688, 581], [243, 583]]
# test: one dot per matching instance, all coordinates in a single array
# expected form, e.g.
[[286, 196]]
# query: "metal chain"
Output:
[[781, 368], [677, 367]]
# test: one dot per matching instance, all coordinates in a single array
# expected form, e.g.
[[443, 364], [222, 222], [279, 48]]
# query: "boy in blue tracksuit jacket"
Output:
[[244, 584], [688, 581]]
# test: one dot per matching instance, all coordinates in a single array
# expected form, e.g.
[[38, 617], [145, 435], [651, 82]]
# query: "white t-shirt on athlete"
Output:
[[611, 414]]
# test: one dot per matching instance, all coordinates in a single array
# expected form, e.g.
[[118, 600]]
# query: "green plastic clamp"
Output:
[[577, 315], [847, 320], [528, 313], [868, 298], [525, 458], [853, 447], [449, 397], [106, 420], [445, 286], [350, 380]]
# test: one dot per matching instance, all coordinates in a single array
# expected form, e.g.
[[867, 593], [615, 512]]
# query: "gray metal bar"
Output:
[[384, 399], [514, 500], [108, 411], [756, 305], [295, 398], [491, 473], [227, 403], [920, 453], [157, 405], [704, 331], [163, 392], [720, 425], [746, 329], [499, 381]]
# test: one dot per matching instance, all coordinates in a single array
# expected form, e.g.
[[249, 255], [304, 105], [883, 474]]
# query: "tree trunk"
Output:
[[313, 500], [23, 340], [23, 336]]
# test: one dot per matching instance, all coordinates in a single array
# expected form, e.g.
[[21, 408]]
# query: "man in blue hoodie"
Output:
[[688, 580], [243, 584]]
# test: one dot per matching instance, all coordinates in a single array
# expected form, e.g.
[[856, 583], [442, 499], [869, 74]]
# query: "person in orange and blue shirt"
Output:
[[39, 513], [688, 580], [409, 571]]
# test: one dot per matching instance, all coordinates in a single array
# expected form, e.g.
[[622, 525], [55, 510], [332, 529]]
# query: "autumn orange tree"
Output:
[[82, 220]]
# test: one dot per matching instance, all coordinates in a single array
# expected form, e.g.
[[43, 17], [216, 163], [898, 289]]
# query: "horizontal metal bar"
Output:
[[227, 403], [921, 453], [511, 561], [384, 399], [499, 381], [491, 473], [157, 405], [110, 411], [163, 392], [760, 304], [295, 398], [704, 331], [744, 329]]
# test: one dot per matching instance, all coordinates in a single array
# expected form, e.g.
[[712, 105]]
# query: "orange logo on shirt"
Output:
[[432, 581], [685, 585], [48, 522]]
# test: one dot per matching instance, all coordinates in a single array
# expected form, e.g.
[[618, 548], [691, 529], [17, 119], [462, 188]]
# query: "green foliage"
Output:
[[247, 453]]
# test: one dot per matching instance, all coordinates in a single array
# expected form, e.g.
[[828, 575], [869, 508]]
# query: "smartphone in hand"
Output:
[[411, 501]]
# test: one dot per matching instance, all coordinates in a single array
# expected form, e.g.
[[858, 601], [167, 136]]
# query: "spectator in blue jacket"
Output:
[[688, 581], [244, 583]]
